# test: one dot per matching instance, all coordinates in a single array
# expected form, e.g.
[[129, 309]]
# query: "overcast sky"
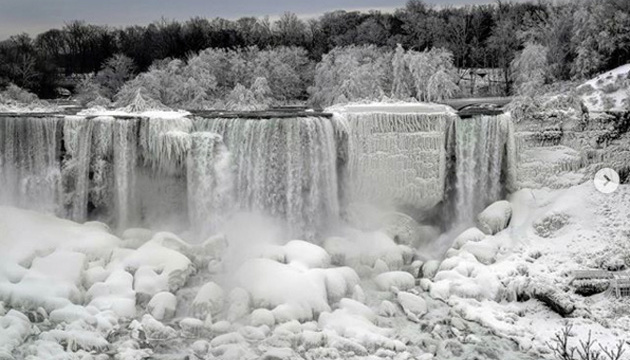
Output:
[[35, 16]]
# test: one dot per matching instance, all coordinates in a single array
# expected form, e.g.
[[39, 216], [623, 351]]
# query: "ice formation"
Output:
[[482, 149], [285, 168], [225, 285], [164, 170], [396, 159]]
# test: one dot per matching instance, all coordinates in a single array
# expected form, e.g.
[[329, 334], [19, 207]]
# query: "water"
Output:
[[29, 163], [285, 168], [183, 174], [210, 183], [125, 164], [482, 149]]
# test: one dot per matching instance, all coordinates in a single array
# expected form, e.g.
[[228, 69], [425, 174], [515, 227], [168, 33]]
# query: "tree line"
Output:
[[580, 38]]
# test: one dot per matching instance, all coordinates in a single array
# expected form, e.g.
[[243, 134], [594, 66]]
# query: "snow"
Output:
[[392, 107], [469, 235], [209, 300], [262, 317], [27, 233], [14, 328], [154, 114], [115, 294], [495, 217], [310, 255], [162, 306], [612, 86], [500, 291], [395, 279], [413, 305]]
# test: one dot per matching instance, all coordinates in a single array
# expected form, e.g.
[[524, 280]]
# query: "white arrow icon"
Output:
[[606, 180]]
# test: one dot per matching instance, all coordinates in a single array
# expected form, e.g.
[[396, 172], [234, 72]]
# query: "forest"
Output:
[[575, 39]]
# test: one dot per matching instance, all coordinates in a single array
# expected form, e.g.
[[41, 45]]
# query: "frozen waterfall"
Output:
[[484, 149], [283, 167], [396, 160], [29, 162], [210, 189], [191, 173]]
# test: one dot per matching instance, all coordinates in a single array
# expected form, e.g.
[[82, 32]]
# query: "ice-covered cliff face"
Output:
[[192, 173], [396, 160]]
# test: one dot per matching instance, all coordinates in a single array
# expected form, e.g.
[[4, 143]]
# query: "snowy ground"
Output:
[[609, 91], [71, 291]]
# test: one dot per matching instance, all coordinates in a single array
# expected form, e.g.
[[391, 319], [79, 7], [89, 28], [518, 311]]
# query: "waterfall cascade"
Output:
[[195, 171], [484, 149], [209, 180], [30, 170], [285, 168]]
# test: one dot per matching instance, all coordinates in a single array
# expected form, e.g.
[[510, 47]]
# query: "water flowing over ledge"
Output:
[[192, 172]]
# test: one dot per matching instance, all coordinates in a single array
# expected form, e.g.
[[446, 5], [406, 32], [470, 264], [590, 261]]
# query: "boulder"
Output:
[[209, 300], [399, 279], [495, 217], [162, 306], [413, 305], [470, 235]]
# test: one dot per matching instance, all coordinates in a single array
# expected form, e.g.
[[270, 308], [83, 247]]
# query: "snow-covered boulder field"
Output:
[[502, 290]]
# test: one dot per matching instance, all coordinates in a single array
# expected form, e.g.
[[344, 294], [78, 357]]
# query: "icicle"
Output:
[[396, 159], [165, 143]]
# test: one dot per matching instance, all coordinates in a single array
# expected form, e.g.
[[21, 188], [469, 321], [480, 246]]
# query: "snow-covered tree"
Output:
[[240, 99], [401, 75], [441, 86], [432, 73], [351, 73], [117, 70], [530, 69], [262, 92]]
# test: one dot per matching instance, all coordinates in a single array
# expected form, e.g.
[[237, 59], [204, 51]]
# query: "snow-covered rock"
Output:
[[162, 306], [158, 254], [413, 305], [209, 300], [399, 279], [495, 217], [429, 269], [403, 229], [484, 251], [146, 283], [470, 235], [115, 294], [14, 328], [294, 291], [365, 248], [387, 309], [308, 254], [262, 317], [191, 327], [239, 304]]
